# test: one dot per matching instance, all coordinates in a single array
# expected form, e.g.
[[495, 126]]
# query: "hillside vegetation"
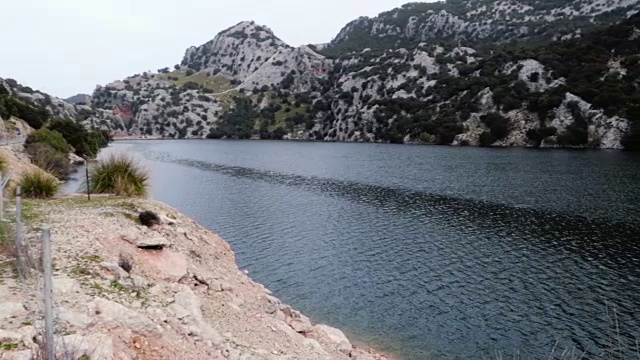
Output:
[[551, 73]]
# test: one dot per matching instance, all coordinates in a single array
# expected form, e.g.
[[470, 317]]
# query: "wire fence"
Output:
[[35, 276]]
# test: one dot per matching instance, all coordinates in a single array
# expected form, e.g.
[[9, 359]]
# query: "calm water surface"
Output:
[[427, 252]]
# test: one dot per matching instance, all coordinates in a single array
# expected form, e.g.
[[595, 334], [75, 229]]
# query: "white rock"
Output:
[[11, 310], [178, 311], [315, 346], [9, 337], [130, 236], [358, 354], [114, 313], [154, 243], [75, 319], [17, 355], [113, 268], [95, 346], [190, 302], [65, 286], [337, 337], [139, 281]]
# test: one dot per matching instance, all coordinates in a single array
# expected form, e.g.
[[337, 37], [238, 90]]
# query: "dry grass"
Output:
[[120, 175], [38, 185]]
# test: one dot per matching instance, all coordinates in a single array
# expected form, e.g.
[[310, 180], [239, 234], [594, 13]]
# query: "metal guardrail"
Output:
[[4, 180], [5, 142]]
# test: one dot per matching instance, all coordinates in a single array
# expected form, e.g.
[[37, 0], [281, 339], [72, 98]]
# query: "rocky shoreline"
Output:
[[174, 291]]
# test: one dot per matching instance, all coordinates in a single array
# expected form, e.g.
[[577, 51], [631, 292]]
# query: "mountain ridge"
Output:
[[247, 83]]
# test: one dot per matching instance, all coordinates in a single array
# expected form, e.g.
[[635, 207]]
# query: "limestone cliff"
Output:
[[556, 73]]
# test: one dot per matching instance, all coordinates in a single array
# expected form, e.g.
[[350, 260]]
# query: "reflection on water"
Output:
[[420, 257]]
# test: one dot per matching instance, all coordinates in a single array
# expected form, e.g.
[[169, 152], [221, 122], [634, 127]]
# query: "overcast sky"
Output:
[[65, 47]]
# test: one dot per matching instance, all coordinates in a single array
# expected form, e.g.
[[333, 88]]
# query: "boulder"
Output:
[[11, 310], [358, 354], [113, 268], [190, 302], [130, 236], [95, 347], [116, 314], [337, 338], [157, 243], [316, 348], [9, 337], [167, 265], [18, 355], [178, 311], [296, 320], [75, 319], [65, 286]]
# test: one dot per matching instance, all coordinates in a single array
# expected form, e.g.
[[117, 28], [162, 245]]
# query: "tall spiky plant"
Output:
[[120, 175]]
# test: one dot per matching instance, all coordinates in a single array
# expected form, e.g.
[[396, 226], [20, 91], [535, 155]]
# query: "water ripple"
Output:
[[423, 274]]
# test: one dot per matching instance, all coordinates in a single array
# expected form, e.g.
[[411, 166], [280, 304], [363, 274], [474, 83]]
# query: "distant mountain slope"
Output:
[[476, 22], [79, 99], [575, 86]]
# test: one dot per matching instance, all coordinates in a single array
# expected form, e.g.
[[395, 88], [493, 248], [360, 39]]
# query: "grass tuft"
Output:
[[38, 185], [120, 175], [3, 164]]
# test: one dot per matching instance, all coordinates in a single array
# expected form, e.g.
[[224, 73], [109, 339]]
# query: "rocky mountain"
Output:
[[453, 73], [36, 108], [476, 22], [79, 99]]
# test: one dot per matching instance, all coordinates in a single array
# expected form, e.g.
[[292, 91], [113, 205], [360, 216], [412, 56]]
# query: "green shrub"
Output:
[[86, 143], [38, 184], [47, 158], [120, 175], [52, 138]]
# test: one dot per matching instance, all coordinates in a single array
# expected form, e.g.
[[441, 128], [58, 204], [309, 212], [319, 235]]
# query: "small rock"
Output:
[[226, 287], [270, 308], [358, 354], [317, 348], [337, 338], [178, 311], [74, 319], [114, 313], [130, 236], [113, 268], [301, 326], [156, 290], [157, 243], [65, 286], [190, 302], [139, 282], [168, 265], [18, 355], [215, 286], [168, 221], [96, 346], [9, 337], [11, 310], [28, 333]]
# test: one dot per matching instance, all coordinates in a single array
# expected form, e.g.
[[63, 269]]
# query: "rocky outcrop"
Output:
[[478, 22], [115, 300], [384, 79]]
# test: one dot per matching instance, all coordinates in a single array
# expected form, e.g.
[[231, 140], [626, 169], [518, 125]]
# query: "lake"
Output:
[[426, 252]]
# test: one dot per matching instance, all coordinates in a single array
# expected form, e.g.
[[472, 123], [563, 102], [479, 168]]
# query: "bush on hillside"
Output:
[[52, 138], [38, 185], [49, 159], [86, 143], [120, 175]]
